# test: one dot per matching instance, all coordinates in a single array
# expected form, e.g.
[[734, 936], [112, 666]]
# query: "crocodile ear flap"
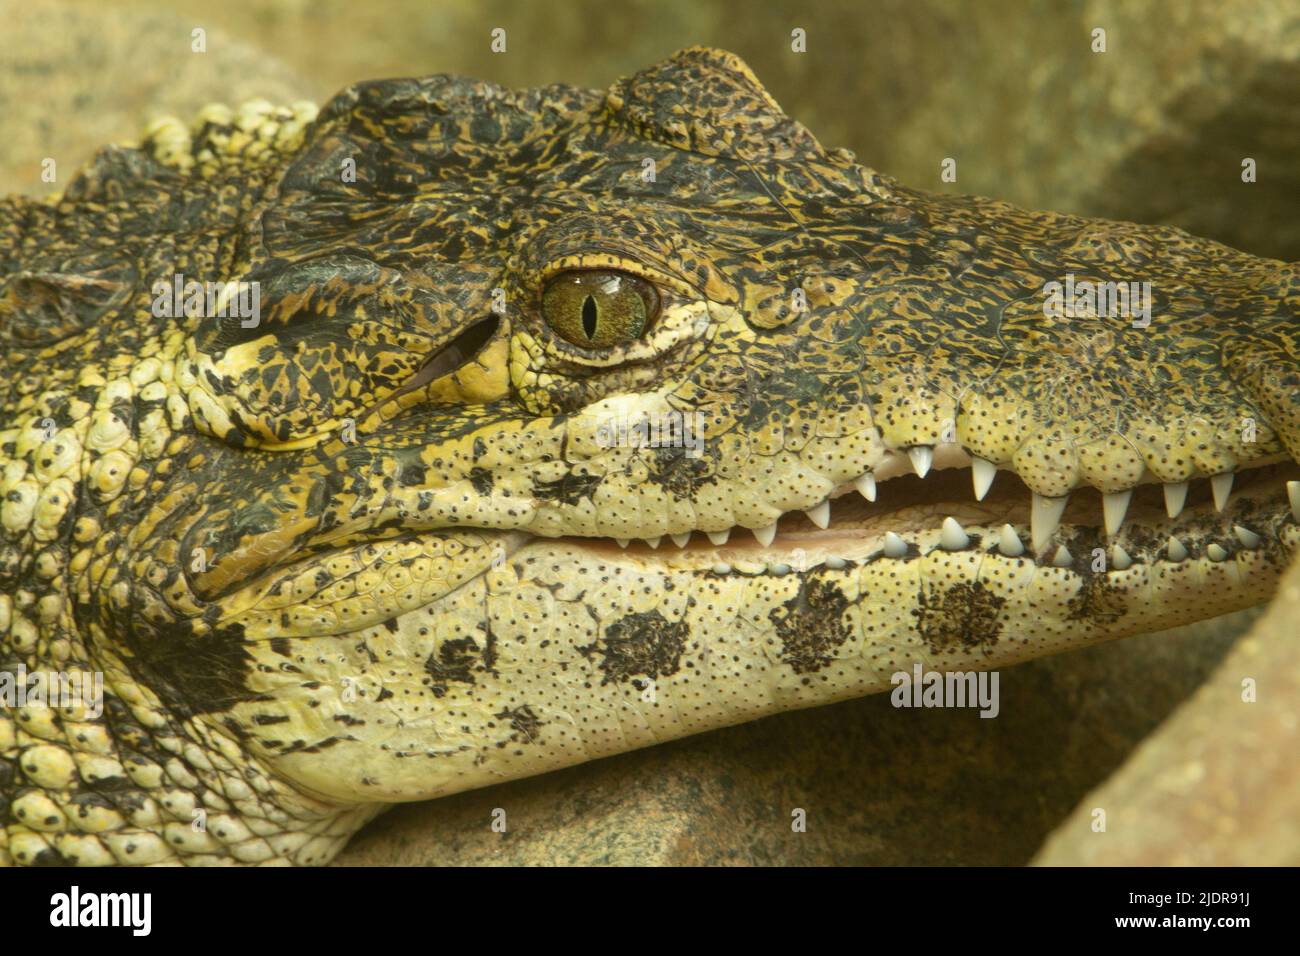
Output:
[[709, 101], [41, 307]]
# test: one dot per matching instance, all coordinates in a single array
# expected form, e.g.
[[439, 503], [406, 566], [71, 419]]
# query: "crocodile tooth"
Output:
[[623, 542], [982, 473], [836, 564], [866, 486], [719, 537], [722, 567], [1216, 553], [765, 535], [1045, 518], [1009, 543], [779, 569], [1114, 506], [1221, 485], [895, 547], [1176, 551], [1175, 497], [681, 540], [820, 515], [654, 542], [952, 537], [1248, 538], [1293, 493], [1063, 558], [1119, 559], [922, 458]]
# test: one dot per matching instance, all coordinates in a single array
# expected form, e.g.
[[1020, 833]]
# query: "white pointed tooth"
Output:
[[952, 537], [922, 458], [654, 542], [1248, 538], [719, 537], [1175, 498], [895, 547], [1176, 551], [820, 515], [765, 535], [1293, 493], [866, 486], [836, 564], [1045, 518], [1009, 543], [1114, 507], [623, 542], [681, 540], [1119, 559], [778, 569], [1221, 485], [1063, 558], [722, 567], [982, 473], [1216, 553]]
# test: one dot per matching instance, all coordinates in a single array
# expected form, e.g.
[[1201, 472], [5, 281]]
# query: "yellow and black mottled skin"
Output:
[[320, 574]]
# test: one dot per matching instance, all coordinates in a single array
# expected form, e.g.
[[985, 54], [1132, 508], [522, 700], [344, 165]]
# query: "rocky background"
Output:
[[1153, 130]]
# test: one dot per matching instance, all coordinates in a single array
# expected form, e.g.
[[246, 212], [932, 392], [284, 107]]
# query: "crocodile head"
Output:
[[531, 427]]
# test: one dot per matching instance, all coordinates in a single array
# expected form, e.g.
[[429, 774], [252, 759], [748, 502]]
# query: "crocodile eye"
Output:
[[598, 309]]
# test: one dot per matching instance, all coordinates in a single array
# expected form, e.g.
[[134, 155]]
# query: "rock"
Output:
[[73, 81], [1219, 783]]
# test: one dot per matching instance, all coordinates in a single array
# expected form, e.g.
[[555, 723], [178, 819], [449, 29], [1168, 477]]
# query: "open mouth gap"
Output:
[[908, 505]]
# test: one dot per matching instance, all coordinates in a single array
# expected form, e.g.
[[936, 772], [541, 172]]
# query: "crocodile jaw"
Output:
[[572, 649]]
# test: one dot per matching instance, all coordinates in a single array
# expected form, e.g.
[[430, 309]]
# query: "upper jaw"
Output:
[[950, 482]]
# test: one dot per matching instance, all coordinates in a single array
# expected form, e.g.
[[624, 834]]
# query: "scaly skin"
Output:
[[298, 625]]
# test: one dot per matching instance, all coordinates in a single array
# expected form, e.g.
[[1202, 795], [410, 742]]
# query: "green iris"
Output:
[[598, 309]]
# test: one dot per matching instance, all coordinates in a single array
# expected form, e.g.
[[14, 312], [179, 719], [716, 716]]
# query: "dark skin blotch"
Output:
[[1099, 601], [959, 617], [811, 625], [568, 490], [454, 662], [197, 673], [524, 724], [641, 643], [481, 479], [679, 472]]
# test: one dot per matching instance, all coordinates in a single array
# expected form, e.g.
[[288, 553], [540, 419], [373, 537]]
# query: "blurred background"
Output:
[[1153, 130]]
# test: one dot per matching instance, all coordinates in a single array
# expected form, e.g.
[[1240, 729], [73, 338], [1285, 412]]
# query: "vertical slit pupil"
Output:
[[589, 317]]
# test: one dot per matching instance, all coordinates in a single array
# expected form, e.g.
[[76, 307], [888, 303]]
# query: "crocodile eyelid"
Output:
[[665, 282]]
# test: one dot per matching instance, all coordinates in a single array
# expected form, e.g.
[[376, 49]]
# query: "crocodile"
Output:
[[452, 434]]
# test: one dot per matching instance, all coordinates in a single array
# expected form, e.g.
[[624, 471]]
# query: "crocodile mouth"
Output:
[[908, 515], [901, 515]]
